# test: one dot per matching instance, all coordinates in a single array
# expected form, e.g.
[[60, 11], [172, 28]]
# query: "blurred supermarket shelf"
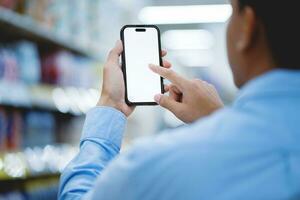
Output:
[[35, 162], [69, 100], [25, 27]]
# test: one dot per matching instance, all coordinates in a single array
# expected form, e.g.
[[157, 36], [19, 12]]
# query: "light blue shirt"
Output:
[[250, 150]]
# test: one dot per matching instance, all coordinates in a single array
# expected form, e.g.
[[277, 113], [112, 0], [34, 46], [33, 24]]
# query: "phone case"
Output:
[[124, 65]]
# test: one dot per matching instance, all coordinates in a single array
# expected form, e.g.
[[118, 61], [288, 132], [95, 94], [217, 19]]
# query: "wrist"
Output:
[[107, 102]]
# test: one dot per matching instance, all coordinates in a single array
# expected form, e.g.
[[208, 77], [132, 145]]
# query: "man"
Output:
[[247, 151]]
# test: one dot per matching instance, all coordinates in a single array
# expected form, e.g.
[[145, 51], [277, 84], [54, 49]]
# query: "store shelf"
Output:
[[30, 177], [35, 162], [65, 100], [24, 27], [35, 166]]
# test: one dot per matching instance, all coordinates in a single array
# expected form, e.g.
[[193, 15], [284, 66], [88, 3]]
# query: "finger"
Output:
[[167, 102], [115, 53], [170, 75], [167, 64], [163, 53], [174, 95], [166, 88], [175, 89]]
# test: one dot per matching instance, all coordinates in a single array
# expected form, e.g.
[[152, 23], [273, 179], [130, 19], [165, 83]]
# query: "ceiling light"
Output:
[[188, 40], [185, 14], [198, 58]]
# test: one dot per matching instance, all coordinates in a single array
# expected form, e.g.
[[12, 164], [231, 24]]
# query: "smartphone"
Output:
[[141, 47]]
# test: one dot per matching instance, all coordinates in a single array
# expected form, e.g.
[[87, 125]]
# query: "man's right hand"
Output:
[[189, 100]]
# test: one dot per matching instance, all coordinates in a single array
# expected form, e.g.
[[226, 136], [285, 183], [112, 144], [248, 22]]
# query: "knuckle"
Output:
[[211, 85], [173, 87], [197, 81]]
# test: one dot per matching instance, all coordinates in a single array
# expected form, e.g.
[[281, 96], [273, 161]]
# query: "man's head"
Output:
[[262, 35]]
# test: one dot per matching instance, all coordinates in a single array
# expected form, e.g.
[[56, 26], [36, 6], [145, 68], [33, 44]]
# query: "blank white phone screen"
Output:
[[141, 49]]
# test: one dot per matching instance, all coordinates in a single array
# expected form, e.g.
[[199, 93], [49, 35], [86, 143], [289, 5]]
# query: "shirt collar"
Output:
[[277, 81]]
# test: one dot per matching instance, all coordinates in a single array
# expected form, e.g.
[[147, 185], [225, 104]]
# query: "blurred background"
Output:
[[51, 57]]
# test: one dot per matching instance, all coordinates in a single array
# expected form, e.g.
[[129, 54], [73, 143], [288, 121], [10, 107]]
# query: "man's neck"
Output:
[[259, 64]]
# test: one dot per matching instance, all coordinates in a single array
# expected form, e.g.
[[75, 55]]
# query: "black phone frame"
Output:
[[124, 64]]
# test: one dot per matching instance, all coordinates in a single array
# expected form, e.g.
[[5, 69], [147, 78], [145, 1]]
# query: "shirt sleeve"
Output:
[[100, 143]]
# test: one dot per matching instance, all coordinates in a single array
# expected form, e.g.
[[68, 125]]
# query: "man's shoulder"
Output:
[[226, 128]]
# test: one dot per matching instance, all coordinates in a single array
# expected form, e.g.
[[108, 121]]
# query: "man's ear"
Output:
[[248, 29]]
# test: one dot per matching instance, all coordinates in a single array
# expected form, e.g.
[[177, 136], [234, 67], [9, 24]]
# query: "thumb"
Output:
[[115, 53], [167, 102]]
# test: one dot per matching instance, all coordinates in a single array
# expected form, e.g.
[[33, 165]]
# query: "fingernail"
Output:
[[152, 67], [157, 98], [118, 42]]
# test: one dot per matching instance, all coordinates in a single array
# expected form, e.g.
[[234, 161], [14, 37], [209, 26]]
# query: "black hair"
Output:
[[280, 20]]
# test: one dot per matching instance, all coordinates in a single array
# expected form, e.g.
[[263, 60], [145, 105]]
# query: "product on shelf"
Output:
[[14, 129], [42, 189], [20, 62], [10, 130], [72, 19], [40, 129], [28, 62], [19, 130], [13, 195], [66, 69], [10, 4], [8, 65], [3, 129]]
